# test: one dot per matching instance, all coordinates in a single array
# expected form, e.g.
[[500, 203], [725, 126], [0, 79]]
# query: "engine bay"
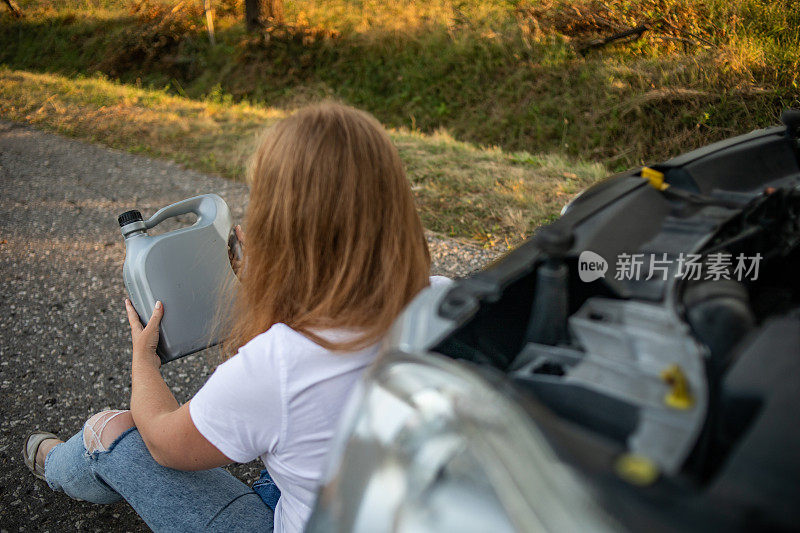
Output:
[[655, 328]]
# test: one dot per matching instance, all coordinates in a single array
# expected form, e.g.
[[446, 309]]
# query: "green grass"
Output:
[[505, 77], [483, 194], [492, 72]]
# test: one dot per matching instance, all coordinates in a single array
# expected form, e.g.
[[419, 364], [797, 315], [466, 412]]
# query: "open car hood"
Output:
[[671, 390]]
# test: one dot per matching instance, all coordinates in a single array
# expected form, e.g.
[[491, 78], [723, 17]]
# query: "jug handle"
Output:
[[201, 206]]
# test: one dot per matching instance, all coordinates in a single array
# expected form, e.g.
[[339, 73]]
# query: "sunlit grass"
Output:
[[204, 135], [491, 72], [142, 76], [484, 194]]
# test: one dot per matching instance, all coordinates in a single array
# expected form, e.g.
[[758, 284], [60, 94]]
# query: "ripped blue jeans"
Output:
[[166, 499]]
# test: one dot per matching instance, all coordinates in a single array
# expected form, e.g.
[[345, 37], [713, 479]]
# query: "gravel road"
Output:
[[64, 341]]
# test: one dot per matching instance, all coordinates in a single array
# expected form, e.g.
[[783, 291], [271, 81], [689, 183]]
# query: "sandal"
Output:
[[31, 447]]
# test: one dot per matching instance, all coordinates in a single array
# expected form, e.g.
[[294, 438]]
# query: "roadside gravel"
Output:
[[64, 342]]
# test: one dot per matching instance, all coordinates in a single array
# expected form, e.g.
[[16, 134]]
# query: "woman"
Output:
[[335, 250]]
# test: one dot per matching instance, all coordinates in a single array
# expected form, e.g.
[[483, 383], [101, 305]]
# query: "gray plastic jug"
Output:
[[186, 269]]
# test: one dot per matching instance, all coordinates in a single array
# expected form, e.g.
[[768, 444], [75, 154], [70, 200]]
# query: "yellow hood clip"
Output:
[[655, 178], [679, 395]]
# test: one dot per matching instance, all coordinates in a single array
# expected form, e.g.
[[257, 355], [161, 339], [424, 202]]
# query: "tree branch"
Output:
[[15, 10], [635, 33]]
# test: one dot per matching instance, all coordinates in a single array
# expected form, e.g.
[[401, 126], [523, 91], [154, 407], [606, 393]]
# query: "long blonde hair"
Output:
[[333, 236]]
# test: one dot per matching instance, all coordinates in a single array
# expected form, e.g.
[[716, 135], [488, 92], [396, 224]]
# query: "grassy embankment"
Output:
[[495, 73], [483, 194]]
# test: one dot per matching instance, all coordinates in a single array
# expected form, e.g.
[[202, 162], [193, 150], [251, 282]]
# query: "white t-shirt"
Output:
[[279, 398]]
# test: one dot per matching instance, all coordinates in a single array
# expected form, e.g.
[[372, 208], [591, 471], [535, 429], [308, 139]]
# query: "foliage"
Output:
[[513, 74], [495, 72], [159, 38]]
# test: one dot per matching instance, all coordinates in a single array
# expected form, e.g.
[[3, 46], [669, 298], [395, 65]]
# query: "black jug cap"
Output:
[[129, 216]]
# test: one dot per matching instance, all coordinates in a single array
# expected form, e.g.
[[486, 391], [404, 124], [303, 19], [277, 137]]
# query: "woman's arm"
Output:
[[166, 427]]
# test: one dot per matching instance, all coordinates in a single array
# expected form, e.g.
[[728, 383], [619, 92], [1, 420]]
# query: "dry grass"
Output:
[[465, 191], [204, 135], [493, 72]]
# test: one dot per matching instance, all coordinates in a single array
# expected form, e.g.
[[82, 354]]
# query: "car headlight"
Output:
[[427, 445]]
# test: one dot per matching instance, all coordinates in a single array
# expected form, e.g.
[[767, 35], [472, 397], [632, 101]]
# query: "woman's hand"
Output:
[[236, 249], [145, 339], [165, 426]]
